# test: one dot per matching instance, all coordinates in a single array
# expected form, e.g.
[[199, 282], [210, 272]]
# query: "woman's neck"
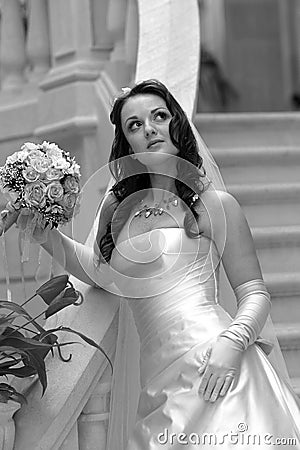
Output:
[[162, 187]]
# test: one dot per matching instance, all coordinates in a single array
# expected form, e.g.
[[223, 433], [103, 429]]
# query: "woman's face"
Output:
[[145, 122]]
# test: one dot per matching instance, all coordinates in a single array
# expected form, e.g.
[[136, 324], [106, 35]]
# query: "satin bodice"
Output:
[[171, 282], [162, 259]]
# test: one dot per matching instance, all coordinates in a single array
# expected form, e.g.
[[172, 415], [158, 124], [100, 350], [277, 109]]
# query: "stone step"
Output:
[[258, 164], [277, 236], [249, 129], [268, 204], [288, 335], [278, 248], [284, 289]]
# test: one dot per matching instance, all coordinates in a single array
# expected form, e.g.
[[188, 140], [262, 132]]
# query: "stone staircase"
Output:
[[259, 157]]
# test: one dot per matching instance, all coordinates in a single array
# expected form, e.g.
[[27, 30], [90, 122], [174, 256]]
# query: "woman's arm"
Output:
[[234, 241], [76, 258], [79, 259]]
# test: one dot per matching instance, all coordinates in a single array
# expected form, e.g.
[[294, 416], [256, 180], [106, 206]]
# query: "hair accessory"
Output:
[[125, 90], [195, 198]]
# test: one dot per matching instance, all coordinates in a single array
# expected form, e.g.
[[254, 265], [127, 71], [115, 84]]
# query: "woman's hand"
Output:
[[220, 366], [8, 217]]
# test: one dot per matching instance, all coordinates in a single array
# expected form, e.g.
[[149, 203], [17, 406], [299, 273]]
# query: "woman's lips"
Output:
[[151, 144]]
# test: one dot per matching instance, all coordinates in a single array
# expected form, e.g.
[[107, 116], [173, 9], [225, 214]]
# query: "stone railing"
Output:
[[73, 413], [24, 44], [95, 48]]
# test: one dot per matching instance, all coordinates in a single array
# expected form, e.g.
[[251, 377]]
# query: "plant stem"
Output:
[[33, 320], [23, 304], [27, 301]]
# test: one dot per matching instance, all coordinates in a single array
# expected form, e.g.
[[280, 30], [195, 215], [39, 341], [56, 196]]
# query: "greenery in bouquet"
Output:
[[44, 179], [24, 343]]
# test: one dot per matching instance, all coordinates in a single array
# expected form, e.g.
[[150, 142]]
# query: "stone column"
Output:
[[116, 23], [296, 46], [12, 46], [213, 27], [131, 36], [38, 42]]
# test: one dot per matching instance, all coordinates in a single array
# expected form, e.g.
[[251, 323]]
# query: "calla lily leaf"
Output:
[[7, 392], [15, 307], [20, 372], [23, 343], [88, 341]]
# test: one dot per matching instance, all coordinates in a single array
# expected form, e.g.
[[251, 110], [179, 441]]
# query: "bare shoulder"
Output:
[[214, 198], [214, 207], [224, 218]]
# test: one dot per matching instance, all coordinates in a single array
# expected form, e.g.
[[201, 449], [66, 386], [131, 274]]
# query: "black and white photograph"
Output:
[[149, 224]]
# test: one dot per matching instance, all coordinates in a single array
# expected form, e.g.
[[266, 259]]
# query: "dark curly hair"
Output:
[[132, 176]]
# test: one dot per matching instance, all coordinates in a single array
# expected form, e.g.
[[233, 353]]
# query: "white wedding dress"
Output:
[[171, 285]]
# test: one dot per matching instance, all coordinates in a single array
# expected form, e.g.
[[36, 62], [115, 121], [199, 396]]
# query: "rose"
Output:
[[11, 159], [41, 165], [34, 194], [29, 146], [71, 185], [61, 163], [34, 154], [17, 156], [55, 191], [74, 169], [53, 151], [53, 174], [30, 174], [22, 155], [68, 202]]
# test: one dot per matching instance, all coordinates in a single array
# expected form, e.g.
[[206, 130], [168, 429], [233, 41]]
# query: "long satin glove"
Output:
[[221, 362], [78, 259]]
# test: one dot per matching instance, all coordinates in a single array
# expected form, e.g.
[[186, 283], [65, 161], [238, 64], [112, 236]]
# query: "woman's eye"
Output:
[[134, 125], [161, 115]]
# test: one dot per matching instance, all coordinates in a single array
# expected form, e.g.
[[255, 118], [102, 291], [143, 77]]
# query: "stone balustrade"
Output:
[[54, 42]]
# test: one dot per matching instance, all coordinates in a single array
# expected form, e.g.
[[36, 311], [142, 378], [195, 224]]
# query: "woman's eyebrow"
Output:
[[152, 111], [131, 117]]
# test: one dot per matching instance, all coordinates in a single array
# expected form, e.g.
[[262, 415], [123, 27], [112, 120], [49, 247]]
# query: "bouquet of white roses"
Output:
[[44, 180]]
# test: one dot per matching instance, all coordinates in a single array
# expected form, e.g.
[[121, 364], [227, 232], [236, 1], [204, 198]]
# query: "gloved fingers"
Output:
[[12, 207], [210, 387], [227, 383], [217, 389], [204, 381]]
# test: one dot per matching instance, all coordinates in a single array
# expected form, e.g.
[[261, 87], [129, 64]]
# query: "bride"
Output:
[[206, 379]]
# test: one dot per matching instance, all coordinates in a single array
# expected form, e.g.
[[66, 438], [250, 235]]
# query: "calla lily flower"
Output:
[[52, 288]]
